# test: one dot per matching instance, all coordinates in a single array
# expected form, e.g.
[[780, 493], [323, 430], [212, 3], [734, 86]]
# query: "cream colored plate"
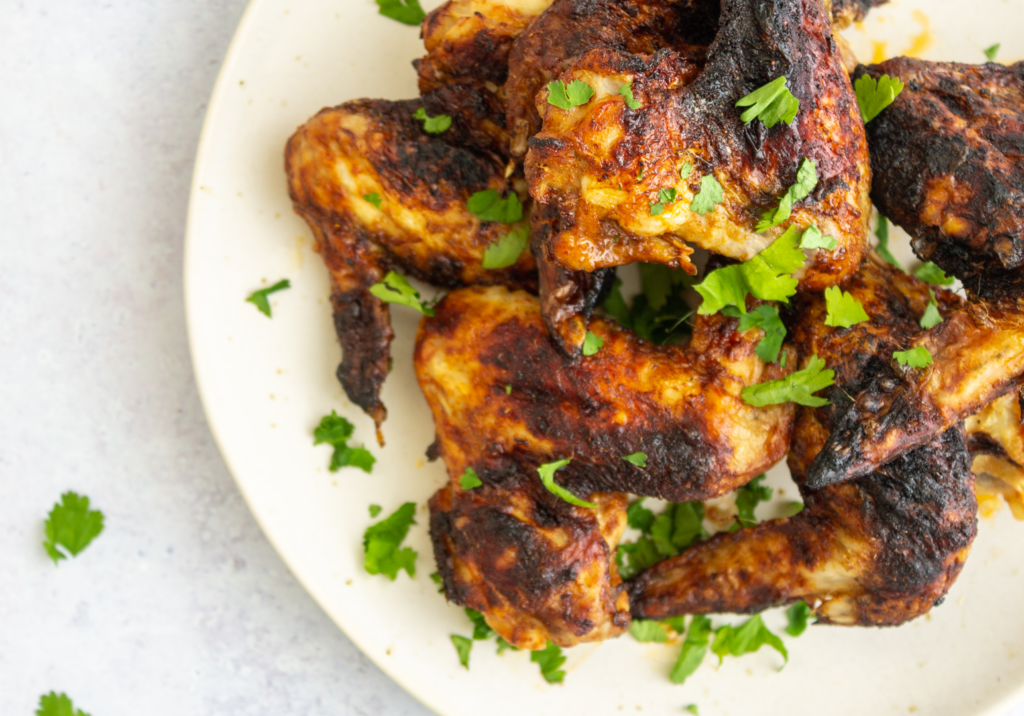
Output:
[[266, 383]]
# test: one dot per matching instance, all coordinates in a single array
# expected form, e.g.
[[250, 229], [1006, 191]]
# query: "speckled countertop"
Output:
[[181, 606]]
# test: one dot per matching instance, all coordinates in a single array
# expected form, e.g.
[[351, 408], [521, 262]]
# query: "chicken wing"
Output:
[[995, 437], [536, 567], [379, 192], [603, 165], [879, 550], [505, 399], [847, 12]]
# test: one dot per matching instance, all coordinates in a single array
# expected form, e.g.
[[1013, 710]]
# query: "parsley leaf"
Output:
[[373, 198], [679, 526], [576, 94], [489, 206], [53, 704], [695, 646], [481, 630], [814, 239], [408, 12], [686, 171], [748, 637], [882, 232], [71, 525], [592, 344], [375, 510], [648, 631], [549, 659], [382, 540], [634, 557], [626, 91], [692, 708], [504, 646], [917, 357], [748, 497], [335, 430], [843, 309], [638, 458], [991, 52], [433, 125], [772, 104], [639, 517], [766, 276], [547, 476], [806, 180], [470, 479], [797, 387], [463, 645], [930, 273], [767, 319], [874, 96], [506, 251], [931, 316], [508, 389], [259, 298], [665, 197], [395, 288], [797, 617], [659, 313], [711, 194]]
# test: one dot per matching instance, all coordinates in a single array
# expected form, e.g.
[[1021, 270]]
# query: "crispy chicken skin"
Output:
[[602, 164], [504, 399], [947, 160], [537, 567], [468, 41], [847, 12], [422, 227], [879, 550]]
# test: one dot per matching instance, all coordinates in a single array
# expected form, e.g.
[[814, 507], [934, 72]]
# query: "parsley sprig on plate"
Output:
[[71, 526]]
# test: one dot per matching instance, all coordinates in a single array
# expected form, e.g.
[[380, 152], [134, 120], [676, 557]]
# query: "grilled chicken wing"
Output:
[[879, 550], [846, 12], [947, 157], [602, 164], [344, 156], [468, 41], [995, 437], [537, 567], [504, 399]]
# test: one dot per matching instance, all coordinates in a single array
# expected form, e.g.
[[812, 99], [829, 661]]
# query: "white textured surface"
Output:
[[181, 607]]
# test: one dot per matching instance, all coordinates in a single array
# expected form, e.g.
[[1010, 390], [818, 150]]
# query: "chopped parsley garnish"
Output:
[[772, 104], [648, 631], [991, 52], [382, 540], [748, 497], [791, 508], [695, 647], [395, 288], [748, 637], [592, 344], [765, 317], [686, 171], [843, 309], [638, 458], [470, 479], [814, 239], [711, 194], [665, 197], [54, 704], [663, 535], [375, 510], [882, 233], [566, 97], [508, 390], [930, 273], [374, 199], [433, 125], [335, 431], [931, 316], [547, 476], [692, 708], [875, 95], [626, 91], [489, 206], [639, 517], [659, 313], [549, 659], [259, 298], [463, 646], [408, 12], [766, 276], [797, 615], [506, 251], [806, 180], [481, 630], [917, 357], [71, 526], [797, 387]]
